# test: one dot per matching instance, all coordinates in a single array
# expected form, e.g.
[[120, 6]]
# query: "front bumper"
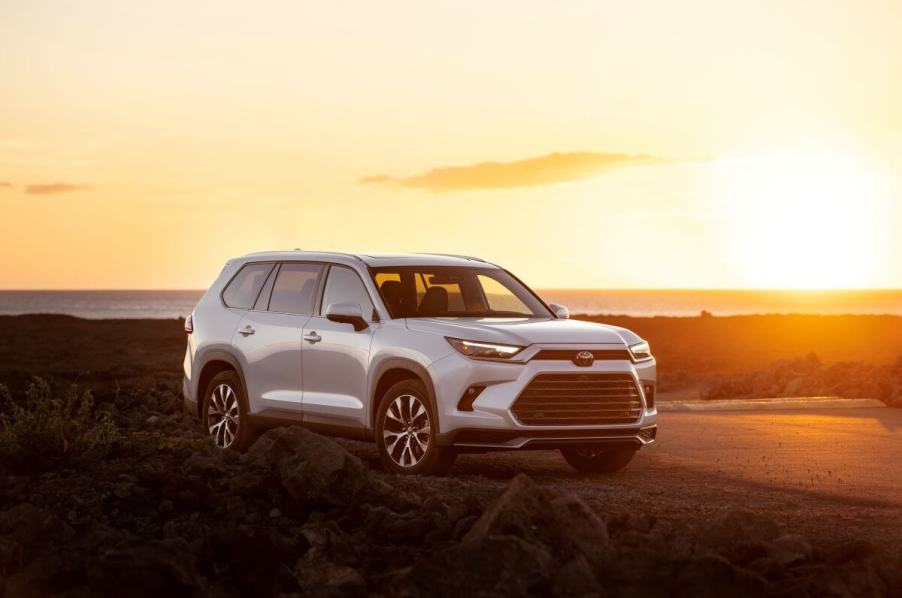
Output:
[[479, 440], [492, 425]]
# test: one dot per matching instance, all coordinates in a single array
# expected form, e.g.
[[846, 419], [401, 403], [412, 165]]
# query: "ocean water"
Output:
[[177, 304], [101, 304]]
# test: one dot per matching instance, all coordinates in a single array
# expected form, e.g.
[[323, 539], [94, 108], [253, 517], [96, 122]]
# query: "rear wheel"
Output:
[[407, 432], [598, 459], [224, 413]]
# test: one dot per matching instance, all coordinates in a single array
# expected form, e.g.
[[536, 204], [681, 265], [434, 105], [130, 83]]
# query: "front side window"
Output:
[[242, 290], [344, 286], [294, 290], [450, 291]]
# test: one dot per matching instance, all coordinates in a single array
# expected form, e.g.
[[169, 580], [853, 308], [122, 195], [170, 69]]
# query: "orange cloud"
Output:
[[53, 188], [530, 172]]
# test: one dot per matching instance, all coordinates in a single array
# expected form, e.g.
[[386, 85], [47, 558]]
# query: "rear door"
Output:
[[269, 338], [336, 357]]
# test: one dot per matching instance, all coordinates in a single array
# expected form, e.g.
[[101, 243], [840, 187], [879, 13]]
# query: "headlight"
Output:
[[484, 350], [640, 351]]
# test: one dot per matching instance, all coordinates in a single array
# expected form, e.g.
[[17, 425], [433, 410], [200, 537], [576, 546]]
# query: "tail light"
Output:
[[189, 324]]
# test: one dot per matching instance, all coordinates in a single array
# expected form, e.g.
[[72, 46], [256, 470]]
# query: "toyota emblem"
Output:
[[584, 358]]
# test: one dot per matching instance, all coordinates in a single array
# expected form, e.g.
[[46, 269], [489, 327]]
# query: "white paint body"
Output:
[[332, 381]]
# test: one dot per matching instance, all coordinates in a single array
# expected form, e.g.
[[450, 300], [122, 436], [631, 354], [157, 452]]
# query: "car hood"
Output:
[[525, 331]]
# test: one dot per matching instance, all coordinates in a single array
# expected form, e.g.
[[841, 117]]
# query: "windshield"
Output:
[[450, 291]]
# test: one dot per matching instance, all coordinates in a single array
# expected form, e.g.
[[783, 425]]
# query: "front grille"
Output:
[[570, 354], [579, 400]]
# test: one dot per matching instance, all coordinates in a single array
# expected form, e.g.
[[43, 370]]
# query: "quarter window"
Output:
[[295, 289], [243, 289], [345, 286]]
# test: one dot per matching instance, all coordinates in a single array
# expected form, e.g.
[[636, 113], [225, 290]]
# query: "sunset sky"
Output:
[[583, 144]]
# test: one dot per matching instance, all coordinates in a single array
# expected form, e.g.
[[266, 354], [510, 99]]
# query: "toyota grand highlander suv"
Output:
[[427, 355]]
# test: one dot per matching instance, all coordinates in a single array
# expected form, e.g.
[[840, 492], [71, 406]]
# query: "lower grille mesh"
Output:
[[579, 400]]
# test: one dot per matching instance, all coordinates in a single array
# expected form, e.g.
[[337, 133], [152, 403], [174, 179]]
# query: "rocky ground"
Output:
[[165, 513], [133, 500], [810, 377]]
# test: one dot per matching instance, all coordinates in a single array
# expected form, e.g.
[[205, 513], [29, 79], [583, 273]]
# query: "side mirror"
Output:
[[347, 313], [560, 311]]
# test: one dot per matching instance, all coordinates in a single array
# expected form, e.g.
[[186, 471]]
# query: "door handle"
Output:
[[312, 338], [247, 330]]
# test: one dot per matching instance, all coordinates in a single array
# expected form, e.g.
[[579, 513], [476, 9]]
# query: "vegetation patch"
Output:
[[42, 432]]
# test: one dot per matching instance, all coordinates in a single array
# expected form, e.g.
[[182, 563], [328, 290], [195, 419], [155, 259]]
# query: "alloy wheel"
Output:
[[405, 430], [222, 415]]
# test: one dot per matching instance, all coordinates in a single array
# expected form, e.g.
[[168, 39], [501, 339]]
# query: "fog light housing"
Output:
[[649, 389], [466, 400], [648, 434]]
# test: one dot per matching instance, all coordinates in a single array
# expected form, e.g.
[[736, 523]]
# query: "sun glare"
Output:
[[803, 222]]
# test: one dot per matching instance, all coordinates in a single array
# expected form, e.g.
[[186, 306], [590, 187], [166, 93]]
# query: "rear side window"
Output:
[[295, 289], [263, 298], [242, 291]]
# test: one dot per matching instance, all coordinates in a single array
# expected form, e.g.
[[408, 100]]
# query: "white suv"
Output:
[[428, 355]]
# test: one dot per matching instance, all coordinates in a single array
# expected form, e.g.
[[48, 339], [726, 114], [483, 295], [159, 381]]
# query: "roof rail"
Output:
[[457, 255], [352, 255]]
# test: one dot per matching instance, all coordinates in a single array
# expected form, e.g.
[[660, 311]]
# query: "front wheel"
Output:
[[598, 459], [407, 432]]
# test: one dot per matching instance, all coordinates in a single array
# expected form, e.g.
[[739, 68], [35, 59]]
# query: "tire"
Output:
[[598, 459], [403, 410], [225, 394]]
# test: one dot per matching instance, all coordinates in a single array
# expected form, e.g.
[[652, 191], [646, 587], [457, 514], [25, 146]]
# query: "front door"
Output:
[[336, 357]]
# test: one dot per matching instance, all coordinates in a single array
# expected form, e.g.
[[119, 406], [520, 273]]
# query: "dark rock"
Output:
[[51, 572], [330, 543], [714, 577], [576, 578], [463, 526], [200, 464], [790, 549], [768, 568], [313, 468], [562, 522], [485, 566], [318, 576], [146, 568], [739, 535], [251, 558], [411, 527]]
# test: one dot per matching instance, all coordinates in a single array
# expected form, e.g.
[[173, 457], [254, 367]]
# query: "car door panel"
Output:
[[272, 359], [336, 356], [335, 370]]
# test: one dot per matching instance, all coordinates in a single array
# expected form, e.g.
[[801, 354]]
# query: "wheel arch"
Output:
[[214, 362], [389, 372]]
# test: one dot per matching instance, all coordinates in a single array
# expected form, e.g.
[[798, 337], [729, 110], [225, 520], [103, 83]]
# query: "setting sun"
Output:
[[804, 221]]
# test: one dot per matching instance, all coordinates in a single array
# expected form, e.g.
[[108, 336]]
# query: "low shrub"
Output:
[[44, 432]]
